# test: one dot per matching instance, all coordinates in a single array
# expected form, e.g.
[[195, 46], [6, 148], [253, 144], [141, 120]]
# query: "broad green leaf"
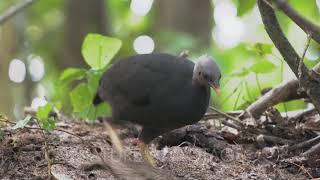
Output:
[[244, 6], [49, 123], [71, 74], [262, 48], [103, 109], [81, 98], [243, 105], [92, 112], [98, 50], [22, 123], [263, 67], [93, 77], [240, 73], [44, 111]]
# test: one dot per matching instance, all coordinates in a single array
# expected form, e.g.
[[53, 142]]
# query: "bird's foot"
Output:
[[146, 155], [115, 139]]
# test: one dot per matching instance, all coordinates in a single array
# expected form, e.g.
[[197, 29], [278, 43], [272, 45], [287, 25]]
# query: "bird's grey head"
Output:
[[207, 72]]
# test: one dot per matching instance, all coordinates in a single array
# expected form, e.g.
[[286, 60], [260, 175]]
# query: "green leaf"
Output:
[[310, 63], [71, 74], [262, 48], [243, 105], [81, 98], [44, 111], [240, 73], [49, 123], [98, 50], [244, 6], [93, 77], [103, 109], [92, 112], [263, 67], [22, 123]]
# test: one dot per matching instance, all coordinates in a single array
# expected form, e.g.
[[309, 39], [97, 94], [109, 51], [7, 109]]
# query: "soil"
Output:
[[22, 157]]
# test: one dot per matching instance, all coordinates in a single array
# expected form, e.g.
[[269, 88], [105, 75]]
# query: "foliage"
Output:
[[43, 116], [97, 51], [247, 67], [244, 6]]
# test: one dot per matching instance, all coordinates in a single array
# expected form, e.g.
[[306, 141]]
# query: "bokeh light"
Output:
[[17, 71], [141, 7], [229, 28], [38, 102], [143, 44], [36, 68], [224, 11]]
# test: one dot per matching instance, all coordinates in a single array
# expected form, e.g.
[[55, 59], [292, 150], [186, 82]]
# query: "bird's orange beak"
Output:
[[216, 89]]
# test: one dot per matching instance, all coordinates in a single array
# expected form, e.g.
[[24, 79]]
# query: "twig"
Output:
[[227, 116], [5, 120], [312, 151], [13, 10], [300, 73], [303, 169], [288, 52], [46, 148], [268, 3], [305, 144], [263, 139], [88, 144], [281, 93]]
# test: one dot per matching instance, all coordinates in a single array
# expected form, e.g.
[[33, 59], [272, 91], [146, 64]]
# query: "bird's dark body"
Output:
[[155, 91]]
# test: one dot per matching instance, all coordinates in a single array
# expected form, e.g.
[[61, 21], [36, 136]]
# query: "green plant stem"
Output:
[[281, 78], [245, 84], [258, 83], [237, 100], [46, 148], [231, 93]]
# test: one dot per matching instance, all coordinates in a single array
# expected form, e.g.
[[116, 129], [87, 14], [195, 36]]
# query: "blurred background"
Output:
[[45, 38]]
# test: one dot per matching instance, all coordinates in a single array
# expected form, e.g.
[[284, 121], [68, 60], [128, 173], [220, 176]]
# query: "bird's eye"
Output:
[[199, 73]]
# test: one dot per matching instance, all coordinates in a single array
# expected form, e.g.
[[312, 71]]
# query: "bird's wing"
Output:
[[140, 80]]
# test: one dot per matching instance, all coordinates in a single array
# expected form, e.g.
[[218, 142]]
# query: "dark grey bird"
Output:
[[161, 92]]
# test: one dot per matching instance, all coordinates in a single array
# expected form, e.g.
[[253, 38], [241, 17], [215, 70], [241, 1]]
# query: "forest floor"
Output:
[[22, 157]]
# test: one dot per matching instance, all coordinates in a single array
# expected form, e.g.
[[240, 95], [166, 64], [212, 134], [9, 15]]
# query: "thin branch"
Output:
[[303, 169], [289, 54], [306, 25], [278, 38], [227, 116], [302, 58], [13, 10], [281, 93]]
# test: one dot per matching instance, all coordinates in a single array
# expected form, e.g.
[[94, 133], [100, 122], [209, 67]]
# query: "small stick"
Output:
[[46, 149], [227, 115], [303, 169], [13, 10], [302, 58], [305, 144]]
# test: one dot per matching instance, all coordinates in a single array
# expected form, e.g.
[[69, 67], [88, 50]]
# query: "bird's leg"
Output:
[[145, 153], [115, 139]]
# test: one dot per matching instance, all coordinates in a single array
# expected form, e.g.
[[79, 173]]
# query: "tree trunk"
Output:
[[82, 17], [190, 16], [8, 47]]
